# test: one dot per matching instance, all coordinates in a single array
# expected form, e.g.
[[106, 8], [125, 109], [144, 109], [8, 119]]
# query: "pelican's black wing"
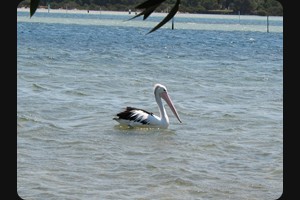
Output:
[[130, 114]]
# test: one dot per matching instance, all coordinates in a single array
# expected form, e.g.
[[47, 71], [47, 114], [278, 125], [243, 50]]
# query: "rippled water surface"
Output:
[[76, 71]]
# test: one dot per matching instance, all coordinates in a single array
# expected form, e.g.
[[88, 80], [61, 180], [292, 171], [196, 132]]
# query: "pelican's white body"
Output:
[[134, 117], [153, 120]]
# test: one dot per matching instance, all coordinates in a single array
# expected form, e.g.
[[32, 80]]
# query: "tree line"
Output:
[[243, 7]]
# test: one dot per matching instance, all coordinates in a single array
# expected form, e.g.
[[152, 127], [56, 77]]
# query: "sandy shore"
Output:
[[179, 14], [76, 11]]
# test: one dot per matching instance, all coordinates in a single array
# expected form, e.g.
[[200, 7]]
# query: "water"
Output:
[[75, 71]]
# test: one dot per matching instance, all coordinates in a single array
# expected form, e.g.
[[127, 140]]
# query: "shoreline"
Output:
[[158, 14], [76, 11]]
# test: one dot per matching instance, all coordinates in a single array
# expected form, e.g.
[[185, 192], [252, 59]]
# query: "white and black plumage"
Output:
[[133, 117]]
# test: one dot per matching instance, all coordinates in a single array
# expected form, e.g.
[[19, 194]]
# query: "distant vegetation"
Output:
[[245, 7]]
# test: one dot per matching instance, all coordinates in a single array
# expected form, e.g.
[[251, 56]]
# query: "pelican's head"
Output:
[[161, 91], [159, 88]]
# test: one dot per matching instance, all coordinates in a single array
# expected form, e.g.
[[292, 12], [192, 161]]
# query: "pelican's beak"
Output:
[[167, 98]]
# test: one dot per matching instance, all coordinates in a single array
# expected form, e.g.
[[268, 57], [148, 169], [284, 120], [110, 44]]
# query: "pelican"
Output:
[[135, 117]]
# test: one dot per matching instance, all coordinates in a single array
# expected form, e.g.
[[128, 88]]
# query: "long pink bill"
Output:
[[167, 98]]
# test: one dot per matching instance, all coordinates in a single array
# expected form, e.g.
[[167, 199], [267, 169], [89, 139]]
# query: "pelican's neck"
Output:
[[163, 114]]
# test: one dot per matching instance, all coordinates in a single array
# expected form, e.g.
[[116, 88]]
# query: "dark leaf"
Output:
[[33, 6], [146, 12], [168, 17], [150, 5]]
